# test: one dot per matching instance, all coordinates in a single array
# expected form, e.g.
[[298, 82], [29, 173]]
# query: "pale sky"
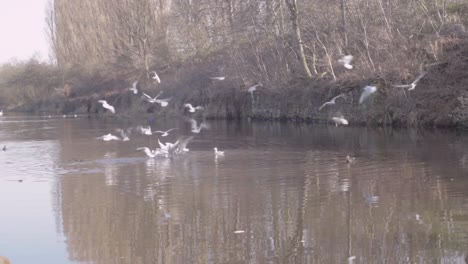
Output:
[[22, 27]]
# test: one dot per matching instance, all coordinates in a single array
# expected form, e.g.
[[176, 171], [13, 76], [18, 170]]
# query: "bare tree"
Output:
[[249, 39], [294, 17]]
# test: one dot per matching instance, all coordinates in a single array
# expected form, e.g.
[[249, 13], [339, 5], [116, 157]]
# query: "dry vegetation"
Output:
[[290, 46]]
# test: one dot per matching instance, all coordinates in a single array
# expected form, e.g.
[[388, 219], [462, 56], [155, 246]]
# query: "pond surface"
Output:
[[283, 193]]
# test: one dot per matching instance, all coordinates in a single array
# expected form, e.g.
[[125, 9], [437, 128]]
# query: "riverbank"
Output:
[[440, 98], [424, 106]]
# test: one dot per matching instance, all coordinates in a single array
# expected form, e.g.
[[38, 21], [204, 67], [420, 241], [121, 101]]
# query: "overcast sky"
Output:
[[22, 29]]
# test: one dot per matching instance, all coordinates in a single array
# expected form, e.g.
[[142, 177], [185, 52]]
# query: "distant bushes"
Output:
[[33, 81], [29, 81]]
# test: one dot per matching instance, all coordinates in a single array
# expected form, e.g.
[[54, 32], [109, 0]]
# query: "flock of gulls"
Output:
[[167, 149], [367, 91], [338, 119]]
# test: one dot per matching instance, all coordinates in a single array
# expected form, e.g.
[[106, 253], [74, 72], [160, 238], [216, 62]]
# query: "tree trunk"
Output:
[[343, 19], [292, 6]]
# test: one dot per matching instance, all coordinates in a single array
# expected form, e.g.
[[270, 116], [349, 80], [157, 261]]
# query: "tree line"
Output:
[[270, 41], [98, 43]]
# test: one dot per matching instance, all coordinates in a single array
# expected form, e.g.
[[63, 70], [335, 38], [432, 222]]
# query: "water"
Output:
[[283, 193]]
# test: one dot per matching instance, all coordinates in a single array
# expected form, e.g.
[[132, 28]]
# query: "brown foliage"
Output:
[[272, 41], [27, 81], [102, 46]]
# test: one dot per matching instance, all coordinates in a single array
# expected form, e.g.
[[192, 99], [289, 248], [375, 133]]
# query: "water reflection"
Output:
[[110, 169], [268, 202], [282, 194]]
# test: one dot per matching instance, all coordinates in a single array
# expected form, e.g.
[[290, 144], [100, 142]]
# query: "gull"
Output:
[[1, 112], [134, 87], [193, 109], [351, 259], [340, 120], [150, 153], [169, 149], [144, 130], [168, 145], [217, 152], [156, 77], [124, 134], [367, 91], [165, 133], [332, 101], [182, 146], [108, 137], [163, 102], [151, 99], [195, 128], [346, 60], [164, 146], [107, 106], [252, 89], [220, 78], [412, 85], [350, 159]]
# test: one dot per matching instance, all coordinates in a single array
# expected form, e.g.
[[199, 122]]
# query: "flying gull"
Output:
[[124, 134], [109, 137], [340, 120], [332, 101], [134, 87], [169, 149], [220, 78], [345, 61], [182, 146], [149, 98], [197, 129], [252, 89], [412, 85], [107, 106], [163, 102], [156, 77], [165, 133], [144, 130], [150, 153], [367, 91], [193, 109]]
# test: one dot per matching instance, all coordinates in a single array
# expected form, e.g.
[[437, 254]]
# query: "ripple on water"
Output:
[[29, 160]]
